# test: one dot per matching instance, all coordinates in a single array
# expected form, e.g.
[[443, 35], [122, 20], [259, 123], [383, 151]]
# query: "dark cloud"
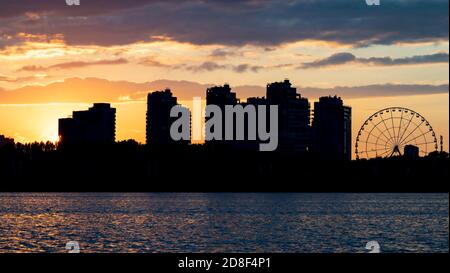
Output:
[[229, 22], [222, 53], [18, 79], [344, 58], [282, 66], [72, 65], [421, 59], [335, 59], [353, 92], [152, 61], [59, 7], [212, 66], [207, 66], [246, 67], [80, 90], [376, 90]]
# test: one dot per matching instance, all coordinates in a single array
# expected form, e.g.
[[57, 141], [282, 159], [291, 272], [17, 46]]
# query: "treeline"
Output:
[[129, 165]]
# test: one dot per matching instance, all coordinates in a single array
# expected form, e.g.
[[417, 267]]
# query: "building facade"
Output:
[[159, 121], [96, 125], [332, 129], [293, 116], [221, 96]]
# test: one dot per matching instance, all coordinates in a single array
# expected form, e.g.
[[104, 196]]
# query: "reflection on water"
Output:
[[223, 222]]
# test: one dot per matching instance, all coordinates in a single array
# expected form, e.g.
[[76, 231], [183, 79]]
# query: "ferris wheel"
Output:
[[388, 131]]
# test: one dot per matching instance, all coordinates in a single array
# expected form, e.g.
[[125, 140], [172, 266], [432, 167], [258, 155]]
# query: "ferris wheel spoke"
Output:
[[392, 141], [377, 144], [417, 127], [393, 126], [400, 125], [385, 153], [407, 126], [423, 134], [375, 150], [407, 140], [425, 143], [389, 140], [389, 132], [378, 138], [379, 130]]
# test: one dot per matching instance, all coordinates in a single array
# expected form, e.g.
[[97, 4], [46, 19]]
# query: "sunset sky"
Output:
[[56, 58]]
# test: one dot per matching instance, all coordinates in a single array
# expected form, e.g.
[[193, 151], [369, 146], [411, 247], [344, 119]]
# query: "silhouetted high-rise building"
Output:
[[159, 105], [221, 96], [332, 129], [96, 125], [293, 116], [253, 145]]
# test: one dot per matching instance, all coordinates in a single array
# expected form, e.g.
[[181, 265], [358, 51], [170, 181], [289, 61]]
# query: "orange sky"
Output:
[[46, 50], [30, 122]]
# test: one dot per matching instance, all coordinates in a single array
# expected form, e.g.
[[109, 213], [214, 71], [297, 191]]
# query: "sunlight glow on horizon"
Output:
[[42, 55], [28, 123]]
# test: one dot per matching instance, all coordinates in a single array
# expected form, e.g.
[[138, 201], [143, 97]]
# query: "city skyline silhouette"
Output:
[[53, 65], [254, 100], [321, 135], [296, 131], [224, 135], [309, 142]]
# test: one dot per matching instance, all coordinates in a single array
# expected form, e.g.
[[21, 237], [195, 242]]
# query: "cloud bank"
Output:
[[346, 58], [72, 65], [81, 90], [227, 22]]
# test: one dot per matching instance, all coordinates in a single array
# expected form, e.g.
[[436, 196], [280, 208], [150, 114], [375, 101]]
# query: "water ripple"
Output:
[[223, 222]]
